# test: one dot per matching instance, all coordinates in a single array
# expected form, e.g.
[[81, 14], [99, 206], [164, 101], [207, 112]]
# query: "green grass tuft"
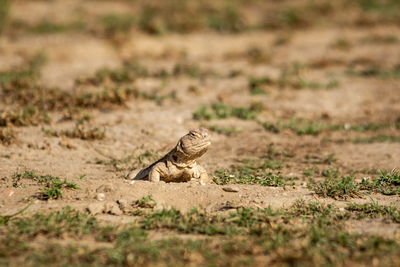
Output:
[[222, 111], [299, 126], [337, 188], [330, 172], [114, 24], [256, 85], [27, 115], [387, 183], [52, 185], [146, 202], [374, 210], [254, 172]]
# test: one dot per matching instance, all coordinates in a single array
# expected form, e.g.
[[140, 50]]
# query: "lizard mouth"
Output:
[[202, 145], [195, 148], [195, 143]]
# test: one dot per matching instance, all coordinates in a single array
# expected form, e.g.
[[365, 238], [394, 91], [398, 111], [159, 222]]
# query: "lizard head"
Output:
[[194, 144]]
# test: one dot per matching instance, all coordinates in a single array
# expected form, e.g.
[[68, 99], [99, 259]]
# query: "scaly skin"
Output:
[[179, 165]]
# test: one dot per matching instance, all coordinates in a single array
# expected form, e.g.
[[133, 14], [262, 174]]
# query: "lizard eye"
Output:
[[192, 134]]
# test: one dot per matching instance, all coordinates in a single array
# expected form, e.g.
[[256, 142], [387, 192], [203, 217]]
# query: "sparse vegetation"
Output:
[[299, 126], [311, 171], [376, 72], [374, 210], [222, 111], [147, 157], [224, 16], [35, 102], [52, 185], [158, 98], [254, 228], [7, 136], [116, 163], [387, 183], [28, 115], [325, 159], [47, 27], [24, 76], [117, 25], [380, 39], [254, 172], [229, 131], [342, 44], [369, 126], [4, 10], [256, 85], [286, 17], [81, 131], [227, 19], [188, 69], [381, 138], [331, 172], [290, 77], [146, 202], [257, 55], [131, 161], [125, 74], [304, 127], [337, 188], [386, 9]]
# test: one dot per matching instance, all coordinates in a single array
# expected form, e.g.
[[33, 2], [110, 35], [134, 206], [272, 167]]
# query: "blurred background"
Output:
[[108, 32], [314, 59]]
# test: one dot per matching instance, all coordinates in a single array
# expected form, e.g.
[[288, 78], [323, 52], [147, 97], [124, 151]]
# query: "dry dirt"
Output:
[[145, 125]]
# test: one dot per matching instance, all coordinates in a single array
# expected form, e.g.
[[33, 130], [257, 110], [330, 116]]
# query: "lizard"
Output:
[[179, 165]]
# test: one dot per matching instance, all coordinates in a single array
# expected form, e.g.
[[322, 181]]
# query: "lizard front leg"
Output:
[[204, 179], [159, 172], [155, 173]]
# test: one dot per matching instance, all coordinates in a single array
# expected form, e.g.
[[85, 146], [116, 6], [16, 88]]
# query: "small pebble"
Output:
[[100, 196], [9, 192], [230, 189]]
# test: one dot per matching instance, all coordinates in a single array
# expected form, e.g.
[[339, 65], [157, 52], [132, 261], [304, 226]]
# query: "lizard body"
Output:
[[179, 165]]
